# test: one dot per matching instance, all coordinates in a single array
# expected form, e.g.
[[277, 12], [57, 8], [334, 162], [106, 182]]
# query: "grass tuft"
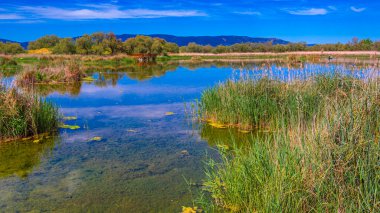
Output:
[[23, 115]]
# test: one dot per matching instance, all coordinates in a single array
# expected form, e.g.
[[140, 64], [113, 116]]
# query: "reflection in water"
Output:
[[141, 71], [229, 137], [143, 157], [46, 89], [19, 158], [215, 136], [109, 75]]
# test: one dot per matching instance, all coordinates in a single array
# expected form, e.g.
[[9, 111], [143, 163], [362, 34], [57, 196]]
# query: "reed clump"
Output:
[[50, 72], [8, 65], [322, 155], [23, 115]]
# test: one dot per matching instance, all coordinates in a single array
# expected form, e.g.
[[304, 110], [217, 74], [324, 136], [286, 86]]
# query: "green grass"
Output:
[[9, 66], [173, 58], [322, 154], [23, 115]]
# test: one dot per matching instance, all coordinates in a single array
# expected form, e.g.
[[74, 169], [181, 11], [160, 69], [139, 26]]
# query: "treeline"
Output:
[[109, 44], [354, 45], [103, 44]]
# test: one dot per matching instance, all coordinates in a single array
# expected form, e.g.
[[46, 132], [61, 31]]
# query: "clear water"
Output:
[[144, 158]]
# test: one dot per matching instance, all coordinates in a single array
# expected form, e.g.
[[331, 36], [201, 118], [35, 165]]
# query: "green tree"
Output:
[[170, 47], [194, 47], [376, 46], [83, 45], [113, 43], [157, 46], [366, 44], [65, 46], [144, 45], [220, 49], [11, 48], [48, 41]]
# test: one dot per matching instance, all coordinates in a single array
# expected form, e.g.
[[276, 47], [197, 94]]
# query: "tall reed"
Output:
[[23, 115], [321, 156]]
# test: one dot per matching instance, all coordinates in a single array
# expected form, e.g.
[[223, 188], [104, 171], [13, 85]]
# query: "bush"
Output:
[[10, 48]]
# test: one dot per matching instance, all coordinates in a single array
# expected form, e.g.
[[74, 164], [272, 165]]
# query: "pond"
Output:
[[147, 147]]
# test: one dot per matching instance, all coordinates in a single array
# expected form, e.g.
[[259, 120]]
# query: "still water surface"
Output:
[[144, 157]]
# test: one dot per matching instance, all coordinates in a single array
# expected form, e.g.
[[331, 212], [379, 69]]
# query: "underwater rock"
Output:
[[185, 153]]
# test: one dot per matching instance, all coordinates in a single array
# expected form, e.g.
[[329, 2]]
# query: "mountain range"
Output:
[[202, 40]]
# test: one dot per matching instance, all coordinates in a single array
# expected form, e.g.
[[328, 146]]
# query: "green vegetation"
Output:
[[23, 115], [10, 48], [108, 44], [48, 41], [321, 153], [60, 71], [354, 45], [9, 65], [103, 44], [21, 157], [148, 45]]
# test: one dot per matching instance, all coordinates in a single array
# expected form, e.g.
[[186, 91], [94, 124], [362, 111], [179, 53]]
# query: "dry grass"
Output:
[[57, 71]]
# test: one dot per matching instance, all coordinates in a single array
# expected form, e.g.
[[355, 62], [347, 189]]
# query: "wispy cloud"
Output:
[[10, 17], [105, 12], [308, 12], [249, 13], [357, 10]]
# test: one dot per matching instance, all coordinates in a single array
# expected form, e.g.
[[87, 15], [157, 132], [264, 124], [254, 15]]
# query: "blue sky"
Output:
[[312, 21]]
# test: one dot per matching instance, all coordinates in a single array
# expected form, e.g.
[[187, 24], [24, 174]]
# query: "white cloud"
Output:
[[250, 13], [308, 12], [357, 10], [106, 12], [10, 17]]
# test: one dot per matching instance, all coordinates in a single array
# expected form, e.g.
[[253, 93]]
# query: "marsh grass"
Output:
[[23, 115], [45, 72], [322, 154], [9, 66]]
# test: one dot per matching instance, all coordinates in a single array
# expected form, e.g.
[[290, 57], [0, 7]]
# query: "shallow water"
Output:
[[144, 157]]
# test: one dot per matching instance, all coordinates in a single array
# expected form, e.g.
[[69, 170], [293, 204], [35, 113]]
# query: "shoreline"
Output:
[[336, 53]]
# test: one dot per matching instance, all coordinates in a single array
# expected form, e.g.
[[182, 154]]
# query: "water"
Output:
[[144, 157]]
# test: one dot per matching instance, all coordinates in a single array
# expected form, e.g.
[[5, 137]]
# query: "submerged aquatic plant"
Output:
[[66, 126], [322, 155]]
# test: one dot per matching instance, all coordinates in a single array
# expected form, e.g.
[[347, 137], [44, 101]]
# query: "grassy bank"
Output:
[[321, 155], [23, 115]]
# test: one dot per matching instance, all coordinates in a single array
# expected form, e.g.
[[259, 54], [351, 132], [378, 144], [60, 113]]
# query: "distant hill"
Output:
[[202, 40], [208, 40], [23, 44]]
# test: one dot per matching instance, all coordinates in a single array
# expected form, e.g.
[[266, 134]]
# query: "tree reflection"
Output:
[[21, 157]]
